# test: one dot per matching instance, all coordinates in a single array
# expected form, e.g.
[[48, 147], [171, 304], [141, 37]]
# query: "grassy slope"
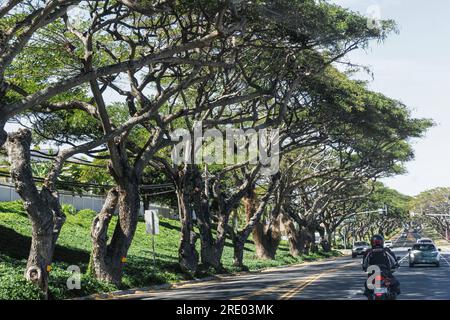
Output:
[[74, 246], [437, 238]]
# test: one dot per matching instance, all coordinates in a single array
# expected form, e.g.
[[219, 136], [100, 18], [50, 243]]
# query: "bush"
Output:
[[83, 217], [89, 285], [87, 213], [68, 209], [13, 286]]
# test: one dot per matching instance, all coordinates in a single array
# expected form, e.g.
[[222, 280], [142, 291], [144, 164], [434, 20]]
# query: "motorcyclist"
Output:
[[382, 257]]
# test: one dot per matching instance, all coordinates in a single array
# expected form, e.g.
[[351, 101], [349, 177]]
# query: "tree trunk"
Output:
[[99, 234], [330, 237], [266, 237], [311, 231], [241, 236], [187, 253], [146, 202], [129, 206], [42, 207], [220, 240], [40, 256], [302, 234], [238, 252], [305, 240], [108, 259], [193, 196], [326, 241], [295, 243], [3, 134], [200, 201]]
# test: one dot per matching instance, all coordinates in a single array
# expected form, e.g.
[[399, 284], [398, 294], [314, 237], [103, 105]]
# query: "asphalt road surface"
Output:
[[340, 278]]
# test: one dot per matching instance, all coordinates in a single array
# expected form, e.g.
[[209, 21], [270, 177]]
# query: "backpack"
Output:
[[379, 257]]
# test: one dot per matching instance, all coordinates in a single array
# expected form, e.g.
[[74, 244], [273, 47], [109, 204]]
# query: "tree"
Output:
[[227, 64], [298, 43], [20, 23], [99, 67], [433, 207]]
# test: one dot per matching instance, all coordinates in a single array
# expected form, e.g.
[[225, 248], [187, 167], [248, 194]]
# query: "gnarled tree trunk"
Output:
[[266, 237], [42, 207], [99, 235], [188, 194], [212, 249], [108, 259], [200, 202], [187, 253], [296, 245], [219, 244], [193, 196], [241, 237]]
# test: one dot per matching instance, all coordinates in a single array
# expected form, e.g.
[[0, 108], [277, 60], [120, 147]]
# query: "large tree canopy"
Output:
[[114, 79]]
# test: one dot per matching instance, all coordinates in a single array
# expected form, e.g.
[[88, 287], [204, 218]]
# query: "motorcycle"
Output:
[[383, 290]]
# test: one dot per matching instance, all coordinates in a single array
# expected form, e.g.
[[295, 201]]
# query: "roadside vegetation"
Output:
[[74, 246]]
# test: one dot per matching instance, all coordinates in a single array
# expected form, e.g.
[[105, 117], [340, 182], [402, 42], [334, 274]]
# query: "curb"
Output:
[[123, 294]]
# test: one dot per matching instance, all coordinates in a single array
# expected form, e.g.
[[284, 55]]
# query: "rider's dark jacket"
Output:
[[379, 257]]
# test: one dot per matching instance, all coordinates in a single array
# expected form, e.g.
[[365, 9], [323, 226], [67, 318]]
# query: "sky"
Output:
[[414, 67]]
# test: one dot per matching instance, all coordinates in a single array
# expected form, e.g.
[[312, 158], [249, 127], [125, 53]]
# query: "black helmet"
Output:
[[377, 241]]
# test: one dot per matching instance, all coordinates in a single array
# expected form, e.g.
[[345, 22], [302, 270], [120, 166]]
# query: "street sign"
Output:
[[152, 227], [151, 221]]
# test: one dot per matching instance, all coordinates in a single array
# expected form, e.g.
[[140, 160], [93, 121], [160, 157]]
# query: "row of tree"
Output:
[[431, 209], [113, 79]]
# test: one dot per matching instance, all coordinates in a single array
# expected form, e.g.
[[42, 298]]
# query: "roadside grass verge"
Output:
[[74, 245], [436, 237]]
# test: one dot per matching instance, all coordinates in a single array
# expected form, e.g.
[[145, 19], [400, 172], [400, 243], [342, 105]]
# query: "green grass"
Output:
[[73, 248], [431, 233]]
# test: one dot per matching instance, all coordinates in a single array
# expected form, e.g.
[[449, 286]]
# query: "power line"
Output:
[[143, 187], [47, 156]]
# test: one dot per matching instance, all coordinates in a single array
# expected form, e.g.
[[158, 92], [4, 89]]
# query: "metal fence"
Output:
[[85, 201]]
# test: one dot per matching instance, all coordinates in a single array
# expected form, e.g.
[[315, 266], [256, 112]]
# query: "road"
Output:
[[337, 279]]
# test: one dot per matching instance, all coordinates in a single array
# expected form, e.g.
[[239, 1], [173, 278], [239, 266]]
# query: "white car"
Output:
[[388, 244], [359, 248], [425, 241], [424, 253]]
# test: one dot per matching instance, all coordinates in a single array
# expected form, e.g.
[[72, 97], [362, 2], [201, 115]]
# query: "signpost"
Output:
[[152, 227]]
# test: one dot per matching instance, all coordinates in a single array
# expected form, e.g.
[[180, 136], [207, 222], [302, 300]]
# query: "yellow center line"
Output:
[[300, 288], [302, 283], [271, 288], [295, 290]]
